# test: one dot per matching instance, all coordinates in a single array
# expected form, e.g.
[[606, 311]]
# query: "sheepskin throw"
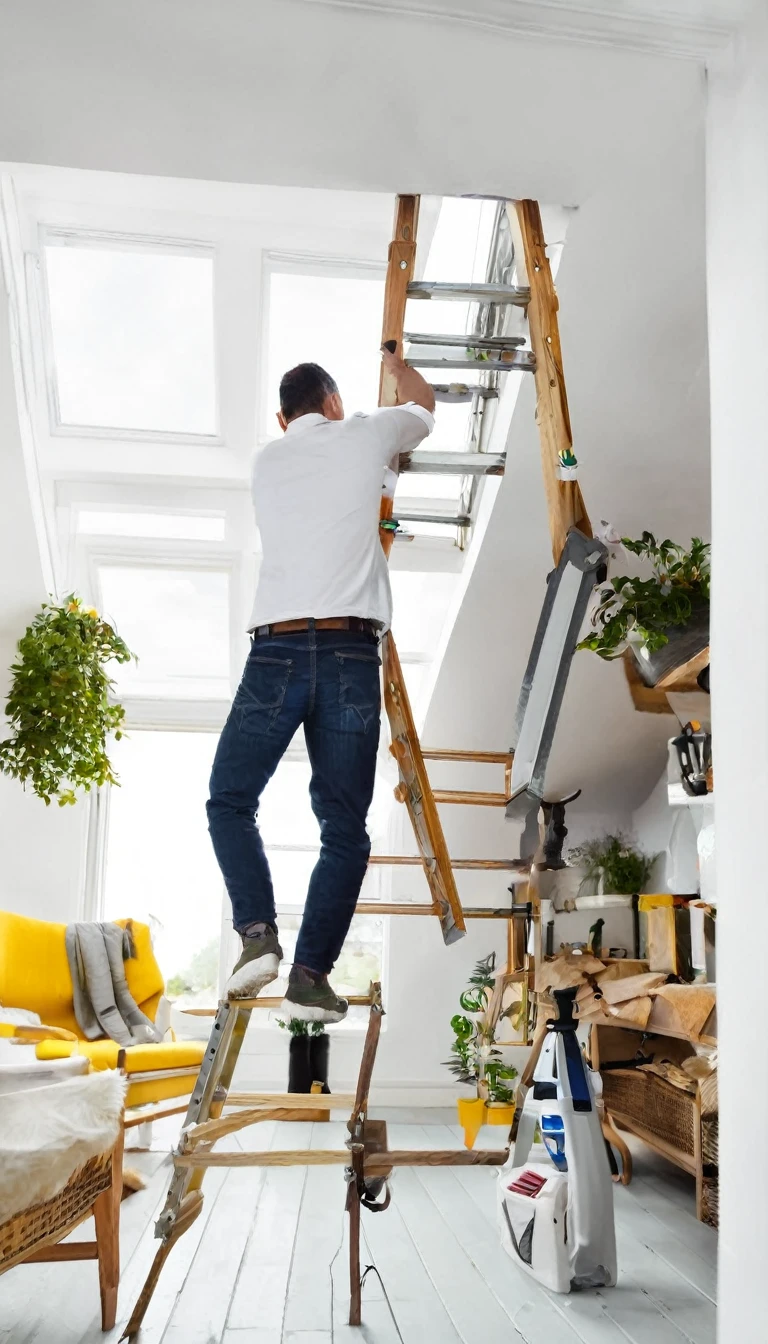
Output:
[[48, 1133]]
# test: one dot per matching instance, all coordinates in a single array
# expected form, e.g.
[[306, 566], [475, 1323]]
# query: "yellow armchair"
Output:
[[34, 974]]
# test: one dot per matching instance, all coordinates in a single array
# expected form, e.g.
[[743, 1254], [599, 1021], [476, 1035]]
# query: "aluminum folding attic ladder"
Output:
[[487, 351]]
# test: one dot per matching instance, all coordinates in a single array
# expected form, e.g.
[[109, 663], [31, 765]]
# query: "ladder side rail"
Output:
[[565, 505], [417, 791]]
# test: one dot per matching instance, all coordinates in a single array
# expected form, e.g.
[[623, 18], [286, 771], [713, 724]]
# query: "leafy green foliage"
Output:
[[643, 610], [474, 1060], [59, 708], [497, 1074], [623, 869], [475, 1000], [296, 1026]]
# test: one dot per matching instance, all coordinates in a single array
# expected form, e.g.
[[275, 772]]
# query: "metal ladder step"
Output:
[[420, 516], [451, 393], [447, 463], [520, 361], [466, 342], [423, 289]]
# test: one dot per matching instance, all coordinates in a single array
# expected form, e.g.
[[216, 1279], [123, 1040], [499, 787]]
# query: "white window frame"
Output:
[[100, 240]]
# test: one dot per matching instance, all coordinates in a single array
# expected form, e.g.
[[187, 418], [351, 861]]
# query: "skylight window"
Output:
[[330, 320], [177, 622], [132, 336], [420, 605], [165, 526]]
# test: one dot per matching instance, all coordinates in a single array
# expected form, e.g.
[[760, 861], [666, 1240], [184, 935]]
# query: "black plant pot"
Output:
[[685, 641], [319, 1047], [299, 1071]]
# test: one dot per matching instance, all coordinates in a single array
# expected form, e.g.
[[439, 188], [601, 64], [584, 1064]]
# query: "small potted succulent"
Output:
[[476, 1060], [664, 619], [307, 1055], [614, 871]]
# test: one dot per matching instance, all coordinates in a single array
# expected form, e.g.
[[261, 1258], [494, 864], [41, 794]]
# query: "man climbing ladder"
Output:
[[322, 603]]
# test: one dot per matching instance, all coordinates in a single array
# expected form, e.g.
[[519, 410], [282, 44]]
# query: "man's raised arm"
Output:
[[410, 384]]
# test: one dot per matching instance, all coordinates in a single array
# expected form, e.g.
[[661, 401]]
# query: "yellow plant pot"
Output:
[[500, 1113], [471, 1118], [474, 1113]]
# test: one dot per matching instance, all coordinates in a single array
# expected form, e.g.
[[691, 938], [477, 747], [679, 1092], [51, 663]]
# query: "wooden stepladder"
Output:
[[367, 1162]]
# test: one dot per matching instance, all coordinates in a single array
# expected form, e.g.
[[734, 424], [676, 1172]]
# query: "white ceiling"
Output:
[[690, 28]]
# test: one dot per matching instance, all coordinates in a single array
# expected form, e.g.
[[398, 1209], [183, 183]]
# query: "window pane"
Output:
[[360, 960], [177, 622], [133, 338], [287, 824], [160, 865], [413, 485], [174, 526], [327, 320], [415, 675], [421, 602]]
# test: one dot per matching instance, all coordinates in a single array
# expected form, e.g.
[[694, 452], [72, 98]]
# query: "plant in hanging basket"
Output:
[[611, 861], [663, 619], [59, 707]]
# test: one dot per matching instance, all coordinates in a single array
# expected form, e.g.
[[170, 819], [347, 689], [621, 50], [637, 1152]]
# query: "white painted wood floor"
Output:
[[257, 1266]]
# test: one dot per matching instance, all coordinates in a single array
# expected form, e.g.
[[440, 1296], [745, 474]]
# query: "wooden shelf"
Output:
[[653, 699]]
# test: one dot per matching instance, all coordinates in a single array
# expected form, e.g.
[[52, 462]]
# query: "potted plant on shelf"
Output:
[[663, 619], [59, 708], [476, 1060], [614, 871], [307, 1055]]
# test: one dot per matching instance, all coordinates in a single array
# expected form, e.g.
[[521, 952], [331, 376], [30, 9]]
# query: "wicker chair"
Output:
[[35, 1234]]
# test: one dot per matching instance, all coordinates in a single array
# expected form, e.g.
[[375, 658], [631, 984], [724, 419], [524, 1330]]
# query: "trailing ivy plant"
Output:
[[624, 870], [59, 707], [642, 611], [474, 1058]]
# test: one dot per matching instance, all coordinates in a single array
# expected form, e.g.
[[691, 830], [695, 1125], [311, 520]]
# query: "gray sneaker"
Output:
[[258, 966], [310, 998]]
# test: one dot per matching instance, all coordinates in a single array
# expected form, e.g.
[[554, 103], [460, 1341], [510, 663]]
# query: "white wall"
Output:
[[285, 92], [738, 318], [41, 847]]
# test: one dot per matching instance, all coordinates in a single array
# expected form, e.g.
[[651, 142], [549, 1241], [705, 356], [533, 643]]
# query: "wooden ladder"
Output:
[[535, 293]]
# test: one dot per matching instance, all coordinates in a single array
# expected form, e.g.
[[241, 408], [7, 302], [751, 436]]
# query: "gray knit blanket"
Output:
[[104, 1005]]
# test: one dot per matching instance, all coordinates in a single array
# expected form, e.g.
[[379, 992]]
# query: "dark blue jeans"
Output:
[[327, 680]]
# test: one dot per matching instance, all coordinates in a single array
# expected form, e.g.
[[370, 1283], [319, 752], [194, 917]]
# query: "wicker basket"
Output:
[[49, 1222], [661, 1109]]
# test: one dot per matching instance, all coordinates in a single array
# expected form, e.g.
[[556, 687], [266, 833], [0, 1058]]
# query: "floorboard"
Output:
[[267, 1260]]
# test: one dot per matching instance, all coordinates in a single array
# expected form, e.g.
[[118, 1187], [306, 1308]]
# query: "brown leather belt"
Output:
[[359, 623]]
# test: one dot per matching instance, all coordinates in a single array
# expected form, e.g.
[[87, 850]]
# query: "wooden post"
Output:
[[106, 1217], [355, 1288]]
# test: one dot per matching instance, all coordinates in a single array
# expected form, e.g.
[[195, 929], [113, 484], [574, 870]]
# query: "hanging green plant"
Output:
[[58, 708]]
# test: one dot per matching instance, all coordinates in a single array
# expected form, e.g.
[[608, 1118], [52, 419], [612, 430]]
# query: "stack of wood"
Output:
[[627, 992]]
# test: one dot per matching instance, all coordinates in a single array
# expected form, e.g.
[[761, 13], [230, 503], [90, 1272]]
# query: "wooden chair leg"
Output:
[[106, 1215], [615, 1140]]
